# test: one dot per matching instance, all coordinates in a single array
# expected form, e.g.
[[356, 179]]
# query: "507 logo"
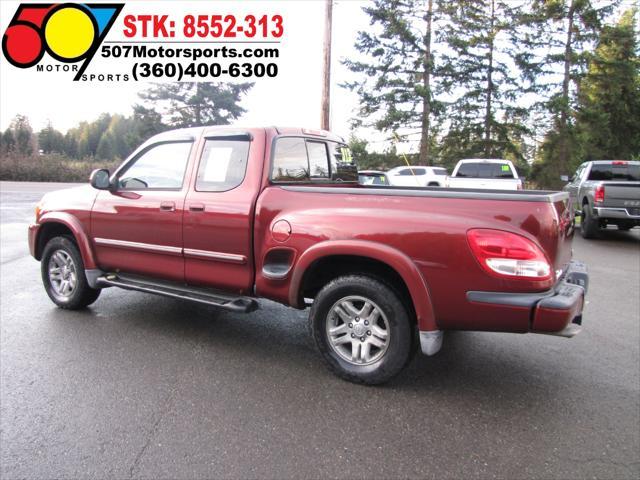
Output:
[[68, 32]]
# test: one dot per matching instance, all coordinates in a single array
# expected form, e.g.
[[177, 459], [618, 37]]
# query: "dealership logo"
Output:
[[68, 32]]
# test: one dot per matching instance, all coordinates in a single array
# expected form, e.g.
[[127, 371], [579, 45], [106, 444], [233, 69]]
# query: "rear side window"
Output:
[[304, 160], [439, 171], [223, 164], [485, 170], [620, 171], [413, 172], [290, 163]]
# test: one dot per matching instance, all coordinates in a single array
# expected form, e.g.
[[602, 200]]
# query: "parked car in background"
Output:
[[491, 174], [417, 176], [606, 192], [373, 177]]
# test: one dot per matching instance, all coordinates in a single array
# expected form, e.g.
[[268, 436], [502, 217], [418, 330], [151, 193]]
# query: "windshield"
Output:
[[372, 179], [615, 171], [485, 170]]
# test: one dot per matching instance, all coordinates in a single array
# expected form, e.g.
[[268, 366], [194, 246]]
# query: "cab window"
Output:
[[290, 162], [318, 159], [343, 167], [223, 164], [296, 159], [161, 166]]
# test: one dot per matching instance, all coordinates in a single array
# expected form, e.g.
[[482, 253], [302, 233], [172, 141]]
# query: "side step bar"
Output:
[[234, 303]]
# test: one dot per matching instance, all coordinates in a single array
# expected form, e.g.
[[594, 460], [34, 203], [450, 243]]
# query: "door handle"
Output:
[[167, 206], [196, 207]]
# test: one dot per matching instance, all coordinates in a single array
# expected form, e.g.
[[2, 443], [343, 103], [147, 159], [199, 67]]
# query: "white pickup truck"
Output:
[[486, 174]]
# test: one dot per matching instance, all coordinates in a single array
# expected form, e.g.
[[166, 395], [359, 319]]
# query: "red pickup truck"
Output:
[[224, 215]]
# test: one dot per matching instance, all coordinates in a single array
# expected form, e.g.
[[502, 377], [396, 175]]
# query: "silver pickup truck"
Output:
[[606, 192]]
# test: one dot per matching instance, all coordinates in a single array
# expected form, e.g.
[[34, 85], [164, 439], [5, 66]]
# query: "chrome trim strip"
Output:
[[149, 247], [219, 256]]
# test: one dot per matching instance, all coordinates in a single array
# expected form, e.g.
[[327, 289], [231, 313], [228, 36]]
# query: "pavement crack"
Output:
[[150, 434]]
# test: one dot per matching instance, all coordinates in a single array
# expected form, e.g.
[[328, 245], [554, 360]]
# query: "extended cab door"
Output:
[[137, 227], [219, 211]]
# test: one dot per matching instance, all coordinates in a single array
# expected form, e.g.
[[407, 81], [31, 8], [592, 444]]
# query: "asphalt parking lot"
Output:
[[139, 386]]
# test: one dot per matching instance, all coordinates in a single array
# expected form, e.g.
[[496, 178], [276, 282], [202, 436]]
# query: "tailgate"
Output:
[[621, 194], [559, 241]]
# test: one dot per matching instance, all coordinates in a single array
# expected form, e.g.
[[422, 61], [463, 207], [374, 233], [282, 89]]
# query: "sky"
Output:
[[293, 98]]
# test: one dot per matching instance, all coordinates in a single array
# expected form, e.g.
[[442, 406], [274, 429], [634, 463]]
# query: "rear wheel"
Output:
[[362, 329], [589, 226], [63, 275]]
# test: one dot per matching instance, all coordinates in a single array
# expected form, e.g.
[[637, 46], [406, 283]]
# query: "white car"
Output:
[[480, 173], [417, 176]]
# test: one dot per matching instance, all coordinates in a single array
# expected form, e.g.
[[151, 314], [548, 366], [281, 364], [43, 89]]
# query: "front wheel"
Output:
[[362, 329], [63, 275]]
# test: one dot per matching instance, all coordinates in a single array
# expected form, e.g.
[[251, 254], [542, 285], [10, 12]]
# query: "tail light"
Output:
[[509, 255], [598, 196]]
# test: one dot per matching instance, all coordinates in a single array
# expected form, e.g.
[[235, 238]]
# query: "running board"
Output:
[[235, 303]]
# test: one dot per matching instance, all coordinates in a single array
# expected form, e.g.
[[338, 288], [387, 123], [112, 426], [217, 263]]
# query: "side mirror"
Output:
[[564, 178], [99, 179]]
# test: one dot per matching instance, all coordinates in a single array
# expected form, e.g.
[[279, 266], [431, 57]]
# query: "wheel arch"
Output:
[[327, 260], [62, 223]]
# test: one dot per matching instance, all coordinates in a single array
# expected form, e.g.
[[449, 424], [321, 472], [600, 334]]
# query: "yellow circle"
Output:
[[69, 33]]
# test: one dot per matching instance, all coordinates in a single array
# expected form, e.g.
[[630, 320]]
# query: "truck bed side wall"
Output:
[[429, 231]]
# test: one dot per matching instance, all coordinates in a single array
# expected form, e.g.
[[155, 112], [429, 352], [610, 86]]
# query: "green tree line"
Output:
[[114, 137], [547, 83]]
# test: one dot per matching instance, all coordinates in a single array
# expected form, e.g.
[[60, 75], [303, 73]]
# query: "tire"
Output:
[[589, 227], [378, 318], [61, 262]]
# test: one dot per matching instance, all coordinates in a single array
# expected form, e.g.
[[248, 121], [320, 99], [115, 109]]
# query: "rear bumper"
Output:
[[557, 311], [33, 236], [622, 213]]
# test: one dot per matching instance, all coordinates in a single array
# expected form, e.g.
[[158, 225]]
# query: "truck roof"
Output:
[[484, 160], [196, 132], [604, 162]]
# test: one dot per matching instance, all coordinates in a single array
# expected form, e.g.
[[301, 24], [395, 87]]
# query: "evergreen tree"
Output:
[[23, 134], [398, 74], [106, 149], [50, 140], [608, 116], [8, 142], [478, 73], [146, 123], [191, 104], [557, 38], [71, 144]]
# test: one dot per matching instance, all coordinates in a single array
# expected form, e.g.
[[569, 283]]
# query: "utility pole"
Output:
[[326, 80]]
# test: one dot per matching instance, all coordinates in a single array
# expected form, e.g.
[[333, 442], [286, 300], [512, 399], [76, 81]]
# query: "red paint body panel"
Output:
[[137, 217], [225, 226], [429, 232], [223, 242]]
